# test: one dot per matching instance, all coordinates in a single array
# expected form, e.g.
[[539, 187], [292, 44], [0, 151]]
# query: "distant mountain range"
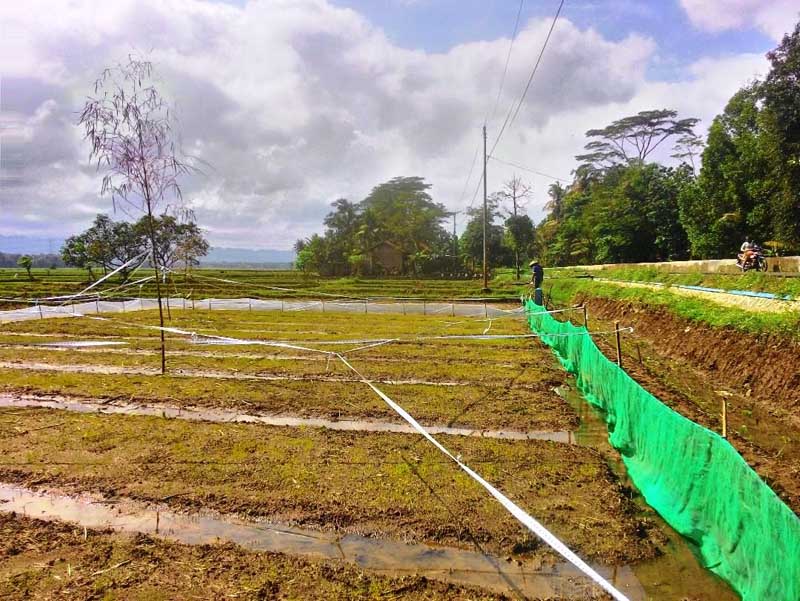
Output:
[[216, 256], [220, 255]]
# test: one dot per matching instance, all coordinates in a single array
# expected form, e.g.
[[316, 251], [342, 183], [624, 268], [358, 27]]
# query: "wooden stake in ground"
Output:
[[619, 344], [724, 417], [128, 124]]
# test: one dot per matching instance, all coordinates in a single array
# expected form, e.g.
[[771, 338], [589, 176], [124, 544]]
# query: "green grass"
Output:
[[753, 281], [566, 291]]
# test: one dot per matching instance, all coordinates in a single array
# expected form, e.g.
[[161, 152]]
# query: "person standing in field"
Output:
[[537, 273]]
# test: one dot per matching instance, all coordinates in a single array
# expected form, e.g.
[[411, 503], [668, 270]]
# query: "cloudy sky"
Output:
[[294, 103]]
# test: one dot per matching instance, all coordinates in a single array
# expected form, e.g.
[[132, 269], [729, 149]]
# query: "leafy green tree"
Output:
[[311, 254], [471, 241], [519, 238], [191, 246], [632, 139], [107, 244], [404, 210], [731, 199], [175, 241], [75, 253], [555, 203], [26, 262], [342, 226], [629, 213], [781, 93], [400, 211]]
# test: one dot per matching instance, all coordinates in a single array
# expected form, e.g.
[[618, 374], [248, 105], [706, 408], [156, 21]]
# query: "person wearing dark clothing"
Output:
[[537, 274]]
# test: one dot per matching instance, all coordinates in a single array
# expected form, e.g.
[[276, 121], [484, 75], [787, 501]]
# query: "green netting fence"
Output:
[[692, 476]]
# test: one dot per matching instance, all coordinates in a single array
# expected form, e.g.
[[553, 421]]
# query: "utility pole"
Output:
[[455, 244], [485, 216]]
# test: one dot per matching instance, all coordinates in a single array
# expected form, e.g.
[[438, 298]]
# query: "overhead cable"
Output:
[[512, 113], [518, 166], [508, 60]]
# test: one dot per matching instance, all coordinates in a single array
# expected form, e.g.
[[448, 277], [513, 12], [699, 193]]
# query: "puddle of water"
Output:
[[198, 373], [227, 416], [678, 574], [386, 557], [81, 343]]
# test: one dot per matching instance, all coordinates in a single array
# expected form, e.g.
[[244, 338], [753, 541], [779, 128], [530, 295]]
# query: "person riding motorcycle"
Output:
[[746, 252]]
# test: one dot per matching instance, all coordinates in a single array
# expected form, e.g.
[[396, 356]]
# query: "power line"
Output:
[[508, 60], [469, 175], [475, 194], [489, 117], [509, 117], [518, 166]]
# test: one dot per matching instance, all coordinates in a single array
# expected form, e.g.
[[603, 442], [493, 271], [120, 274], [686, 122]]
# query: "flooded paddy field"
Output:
[[283, 459]]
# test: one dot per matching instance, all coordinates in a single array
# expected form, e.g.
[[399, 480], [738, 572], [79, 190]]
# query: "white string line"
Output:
[[126, 285], [279, 288], [105, 277], [202, 338], [523, 517], [366, 346]]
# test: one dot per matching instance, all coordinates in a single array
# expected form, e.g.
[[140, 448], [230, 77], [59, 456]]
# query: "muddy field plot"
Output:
[[101, 421], [507, 383]]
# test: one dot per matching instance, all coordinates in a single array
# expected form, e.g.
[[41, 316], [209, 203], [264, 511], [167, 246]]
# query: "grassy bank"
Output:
[[753, 281], [568, 290]]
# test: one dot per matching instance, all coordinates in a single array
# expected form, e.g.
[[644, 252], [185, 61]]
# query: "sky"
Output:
[[291, 104]]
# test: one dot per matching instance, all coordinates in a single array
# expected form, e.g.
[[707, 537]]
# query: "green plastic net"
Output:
[[693, 477]]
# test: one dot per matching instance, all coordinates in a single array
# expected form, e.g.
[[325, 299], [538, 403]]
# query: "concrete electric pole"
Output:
[[485, 217]]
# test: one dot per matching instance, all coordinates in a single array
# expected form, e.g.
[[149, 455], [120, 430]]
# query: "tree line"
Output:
[[621, 207], [398, 229], [741, 181]]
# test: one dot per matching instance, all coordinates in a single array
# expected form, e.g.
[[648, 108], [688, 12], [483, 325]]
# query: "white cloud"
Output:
[[773, 17], [294, 103]]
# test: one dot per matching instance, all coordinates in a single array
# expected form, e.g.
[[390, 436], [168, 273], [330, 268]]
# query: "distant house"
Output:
[[387, 257]]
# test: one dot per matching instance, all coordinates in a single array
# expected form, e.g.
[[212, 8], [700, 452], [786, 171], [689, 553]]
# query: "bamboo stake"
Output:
[[724, 417], [619, 344]]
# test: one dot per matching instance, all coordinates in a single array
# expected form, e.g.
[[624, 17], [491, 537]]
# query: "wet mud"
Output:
[[227, 416], [386, 557]]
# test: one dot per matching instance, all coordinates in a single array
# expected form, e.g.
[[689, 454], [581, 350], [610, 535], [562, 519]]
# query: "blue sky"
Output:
[[438, 25]]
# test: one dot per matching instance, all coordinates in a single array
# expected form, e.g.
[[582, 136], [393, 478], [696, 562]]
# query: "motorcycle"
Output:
[[754, 259]]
